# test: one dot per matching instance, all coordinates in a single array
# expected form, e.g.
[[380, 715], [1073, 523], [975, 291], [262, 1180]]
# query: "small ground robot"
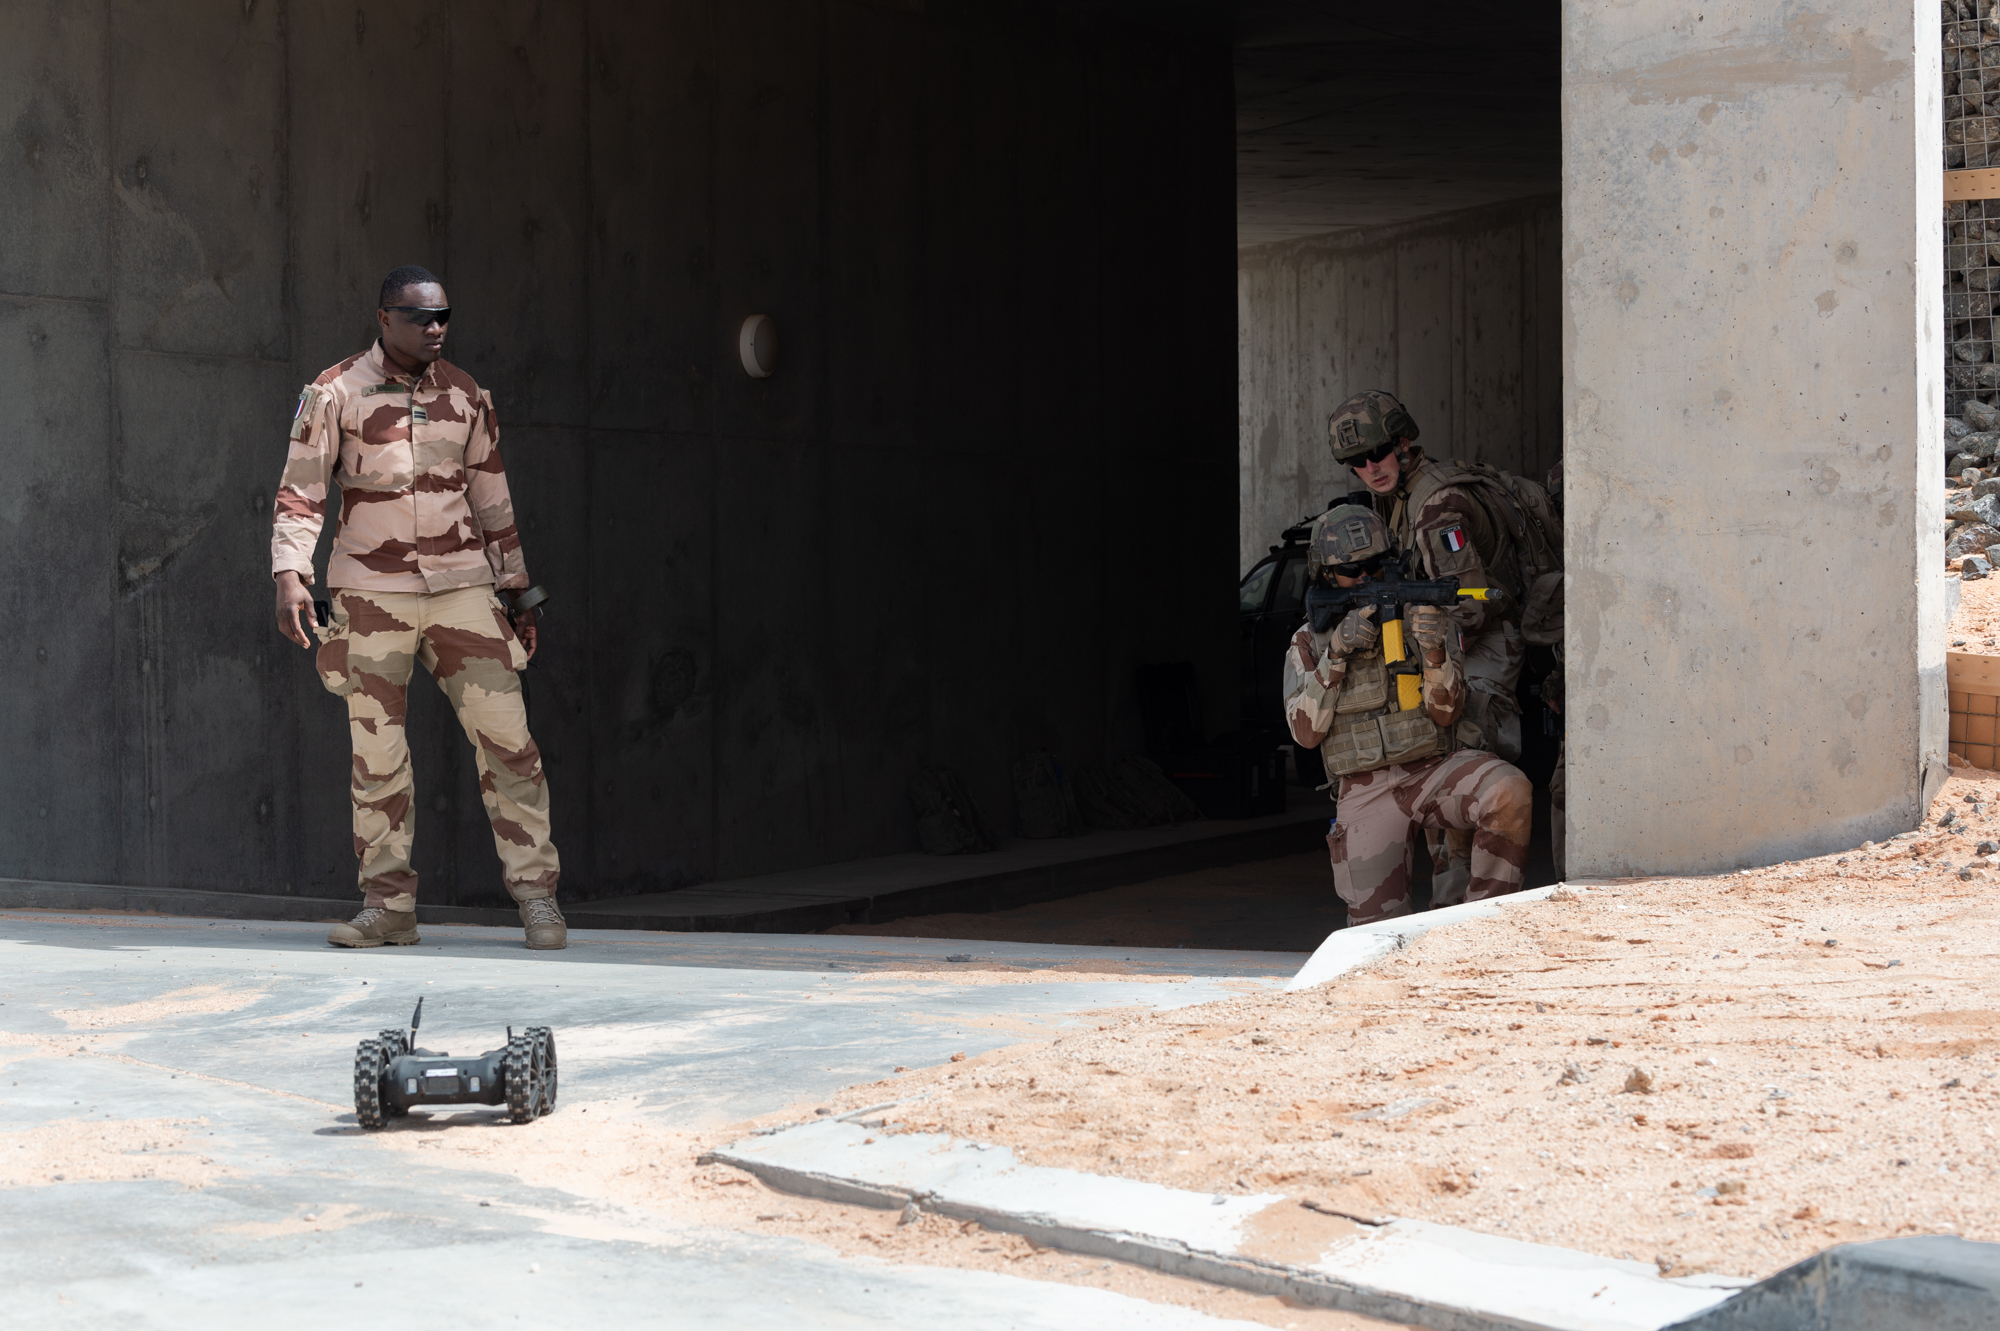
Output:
[[392, 1075]]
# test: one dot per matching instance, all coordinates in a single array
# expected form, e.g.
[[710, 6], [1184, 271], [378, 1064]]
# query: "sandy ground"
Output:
[[1976, 626], [648, 1177], [109, 1150], [1722, 1074], [1714, 1074]]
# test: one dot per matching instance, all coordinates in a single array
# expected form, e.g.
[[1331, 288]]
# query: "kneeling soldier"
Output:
[[1396, 768]]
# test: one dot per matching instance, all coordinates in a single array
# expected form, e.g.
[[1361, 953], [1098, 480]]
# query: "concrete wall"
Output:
[[1457, 315], [1752, 420], [996, 241]]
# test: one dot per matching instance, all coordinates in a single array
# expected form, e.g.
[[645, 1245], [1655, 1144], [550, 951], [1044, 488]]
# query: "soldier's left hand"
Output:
[[1428, 625], [524, 629]]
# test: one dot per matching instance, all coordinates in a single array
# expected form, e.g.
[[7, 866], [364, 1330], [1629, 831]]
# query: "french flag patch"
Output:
[[1452, 539]]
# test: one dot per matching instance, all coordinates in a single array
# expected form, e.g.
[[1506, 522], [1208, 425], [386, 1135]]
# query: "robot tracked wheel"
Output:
[[391, 1075]]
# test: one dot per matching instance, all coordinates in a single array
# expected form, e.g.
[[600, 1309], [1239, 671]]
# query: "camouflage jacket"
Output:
[[1448, 533], [1316, 684], [424, 504]]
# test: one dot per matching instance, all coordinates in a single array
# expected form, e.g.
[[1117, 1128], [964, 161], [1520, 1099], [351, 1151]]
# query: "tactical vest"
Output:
[[1368, 729]]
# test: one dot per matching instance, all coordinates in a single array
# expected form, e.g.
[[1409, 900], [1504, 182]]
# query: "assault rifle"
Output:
[[1389, 591]]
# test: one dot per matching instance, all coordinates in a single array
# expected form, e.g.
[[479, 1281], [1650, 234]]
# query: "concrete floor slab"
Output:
[[888, 887], [243, 1036], [701, 1030]]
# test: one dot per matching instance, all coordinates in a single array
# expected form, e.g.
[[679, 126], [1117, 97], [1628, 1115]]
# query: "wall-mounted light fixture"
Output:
[[757, 344]]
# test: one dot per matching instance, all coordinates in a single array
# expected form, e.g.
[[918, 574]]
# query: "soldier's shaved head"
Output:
[[400, 279]]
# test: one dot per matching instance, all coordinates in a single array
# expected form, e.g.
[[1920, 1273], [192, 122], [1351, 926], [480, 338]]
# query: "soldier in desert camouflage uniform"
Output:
[[426, 543], [1396, 768], [1446, 532]]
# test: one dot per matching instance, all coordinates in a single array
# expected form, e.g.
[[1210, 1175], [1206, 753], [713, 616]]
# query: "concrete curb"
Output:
[[1935, 1281], [1405, 1271], [1361, 945]]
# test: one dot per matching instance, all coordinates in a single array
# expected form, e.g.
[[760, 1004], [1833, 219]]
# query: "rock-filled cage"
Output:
[[1971, 38]]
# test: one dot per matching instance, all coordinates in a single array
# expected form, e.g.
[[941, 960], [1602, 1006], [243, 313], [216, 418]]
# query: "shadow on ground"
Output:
[[1285, 904]]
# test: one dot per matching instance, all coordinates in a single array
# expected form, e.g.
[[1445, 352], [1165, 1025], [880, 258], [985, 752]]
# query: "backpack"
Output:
[[1531, 543]]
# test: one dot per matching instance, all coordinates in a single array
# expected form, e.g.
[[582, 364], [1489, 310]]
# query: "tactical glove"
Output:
[[1357, 633], [1428, 625]]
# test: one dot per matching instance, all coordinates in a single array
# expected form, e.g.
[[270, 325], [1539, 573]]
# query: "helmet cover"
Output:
[[1365, 422], [1349, 534]]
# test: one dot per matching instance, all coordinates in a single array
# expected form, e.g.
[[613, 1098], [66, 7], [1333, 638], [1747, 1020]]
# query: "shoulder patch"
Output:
[[1452, 539], [302, 414]]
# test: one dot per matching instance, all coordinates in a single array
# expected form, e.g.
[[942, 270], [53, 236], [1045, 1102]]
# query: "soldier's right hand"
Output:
[[1357, 633], [293, 600]]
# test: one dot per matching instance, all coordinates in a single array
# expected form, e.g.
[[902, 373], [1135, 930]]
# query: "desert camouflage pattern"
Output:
[[1422, 535], [1327, 691], [464, 640], [1492, 722], [1366, 421], [1470, 792], [1314, 676], [424, 503], [1493, 663], [1347, 534]]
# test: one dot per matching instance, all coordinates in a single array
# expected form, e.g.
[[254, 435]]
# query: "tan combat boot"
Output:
[[374, 927], [544, 923]]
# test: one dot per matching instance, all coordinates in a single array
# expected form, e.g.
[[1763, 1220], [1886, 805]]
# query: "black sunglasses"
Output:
[[1373, 455], [1365, 567], [422, 317]]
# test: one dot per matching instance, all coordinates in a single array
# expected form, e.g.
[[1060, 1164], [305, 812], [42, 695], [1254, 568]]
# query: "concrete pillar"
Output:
[[1753, 411]]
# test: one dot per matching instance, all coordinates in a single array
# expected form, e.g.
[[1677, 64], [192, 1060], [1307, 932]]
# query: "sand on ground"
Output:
[[653, 1187], [1724, 1073]]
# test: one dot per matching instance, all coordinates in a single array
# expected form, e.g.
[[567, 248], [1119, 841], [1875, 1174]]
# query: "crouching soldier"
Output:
[[1397, 769]]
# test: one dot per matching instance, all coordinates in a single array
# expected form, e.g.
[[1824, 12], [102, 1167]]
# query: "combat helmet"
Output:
[[1347, 535], [1365, 422]]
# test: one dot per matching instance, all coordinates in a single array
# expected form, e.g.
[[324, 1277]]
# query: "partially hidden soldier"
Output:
[[1483, 527], [425, 548], [1397, 769], [1552, 695]]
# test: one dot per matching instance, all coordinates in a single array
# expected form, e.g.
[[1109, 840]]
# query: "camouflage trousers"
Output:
[[1492, 672], [1467, 791], [464, 640]]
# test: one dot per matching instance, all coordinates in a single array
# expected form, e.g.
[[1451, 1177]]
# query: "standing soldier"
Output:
[[426, 539], [1396, 768], [1436, 517]]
